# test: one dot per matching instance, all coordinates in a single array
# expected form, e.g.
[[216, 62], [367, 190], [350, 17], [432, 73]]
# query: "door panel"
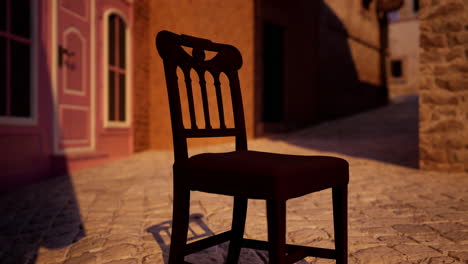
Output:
[[75, 72], [74, 121], [74, 85]]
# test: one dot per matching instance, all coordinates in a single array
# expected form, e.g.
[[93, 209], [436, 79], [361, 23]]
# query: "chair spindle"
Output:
[[188, 86], [219, 99], [206, 109]]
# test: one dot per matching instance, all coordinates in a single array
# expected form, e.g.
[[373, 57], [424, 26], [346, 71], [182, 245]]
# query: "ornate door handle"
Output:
[[63, 52]]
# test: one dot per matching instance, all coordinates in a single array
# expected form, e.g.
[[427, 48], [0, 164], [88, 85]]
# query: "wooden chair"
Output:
[[242, 173]]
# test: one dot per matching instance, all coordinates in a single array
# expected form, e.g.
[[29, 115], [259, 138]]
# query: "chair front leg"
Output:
[[340, 221], [276, 218], [238, 225], [180, 222]]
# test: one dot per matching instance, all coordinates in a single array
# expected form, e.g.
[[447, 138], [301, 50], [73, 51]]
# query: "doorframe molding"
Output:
[[54, 81]]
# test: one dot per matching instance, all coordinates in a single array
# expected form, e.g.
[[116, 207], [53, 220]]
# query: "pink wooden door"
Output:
[[74, 93]]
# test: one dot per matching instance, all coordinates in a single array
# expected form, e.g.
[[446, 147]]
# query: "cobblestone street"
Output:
[[120, 213]]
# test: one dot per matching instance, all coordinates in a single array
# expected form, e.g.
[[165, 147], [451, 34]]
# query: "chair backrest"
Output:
[[228, 60]]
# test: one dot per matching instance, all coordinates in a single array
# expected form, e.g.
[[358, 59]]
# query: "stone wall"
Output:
[[443, 106]]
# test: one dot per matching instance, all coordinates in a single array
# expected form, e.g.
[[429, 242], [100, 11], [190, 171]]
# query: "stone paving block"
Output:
[[322, 224], [451, 216], [46, 256], [130, 230], [412, 229], [307, 235], [323, 261], [417, 252], [127, 220], [430, 238], [460, 207], [362, 242], [378, 231], [118, 239], [154, 258], [442, 260], [457, 236], [459, 255], [97, 227], [378, 212], [378, 255], [391, 221], [86, 258], [151, 249], [449, 227], [124, 261], [325, 243], [396, 240], [118, 252], [87, 244], [359, 222], [448, 247]]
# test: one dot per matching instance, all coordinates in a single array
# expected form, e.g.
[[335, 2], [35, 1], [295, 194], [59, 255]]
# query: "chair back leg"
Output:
[[340, 221], [276, 218], [238, 225], [180, 222]]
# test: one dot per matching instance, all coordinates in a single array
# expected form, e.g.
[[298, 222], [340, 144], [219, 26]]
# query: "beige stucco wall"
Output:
[[404, 46]]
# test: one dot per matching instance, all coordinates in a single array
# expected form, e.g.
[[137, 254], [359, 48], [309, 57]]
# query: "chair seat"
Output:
[[261, 175]]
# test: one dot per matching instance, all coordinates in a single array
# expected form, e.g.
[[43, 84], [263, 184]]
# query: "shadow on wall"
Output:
[[341, 92], [388, 134], [44, 214]]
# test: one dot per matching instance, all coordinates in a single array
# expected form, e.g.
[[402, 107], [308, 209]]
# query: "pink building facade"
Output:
[[65, 86]]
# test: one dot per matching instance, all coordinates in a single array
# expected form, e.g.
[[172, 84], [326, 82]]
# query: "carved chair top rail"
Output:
[[170, 47], [227, 60]]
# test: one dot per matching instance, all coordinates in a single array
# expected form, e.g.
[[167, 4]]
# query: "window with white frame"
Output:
[[117, 70], [15, 58]]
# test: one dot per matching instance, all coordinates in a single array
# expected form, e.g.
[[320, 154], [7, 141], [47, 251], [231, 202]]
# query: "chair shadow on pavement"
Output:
[[198, 229], [162, 233]]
